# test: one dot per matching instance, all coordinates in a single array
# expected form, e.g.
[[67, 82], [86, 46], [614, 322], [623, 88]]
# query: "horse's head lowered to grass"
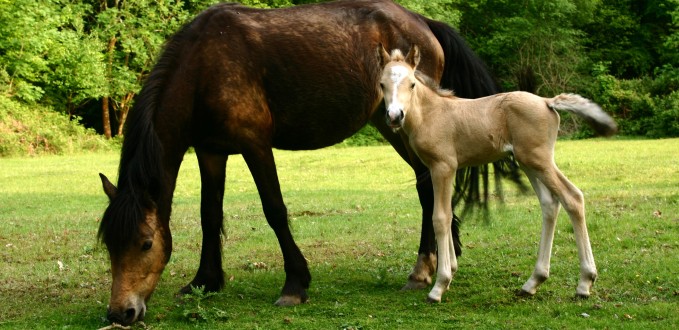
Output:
[[139, 247]]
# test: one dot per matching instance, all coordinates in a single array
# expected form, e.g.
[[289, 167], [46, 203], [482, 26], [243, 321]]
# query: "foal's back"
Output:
[[486, 129]]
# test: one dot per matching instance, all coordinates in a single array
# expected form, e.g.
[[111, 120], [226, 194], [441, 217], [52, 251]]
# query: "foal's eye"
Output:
[[412, 86], [382, 85], [147, 245]]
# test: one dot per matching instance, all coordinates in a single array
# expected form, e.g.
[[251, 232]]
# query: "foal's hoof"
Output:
[[523, 293], [582, 296], [433, 300], [290, 300]]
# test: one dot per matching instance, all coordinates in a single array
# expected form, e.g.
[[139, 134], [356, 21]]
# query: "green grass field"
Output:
[[355, 215]]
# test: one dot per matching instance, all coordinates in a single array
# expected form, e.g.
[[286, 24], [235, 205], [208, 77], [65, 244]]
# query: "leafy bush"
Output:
[[29, 131], [367, 136], [646, 106]]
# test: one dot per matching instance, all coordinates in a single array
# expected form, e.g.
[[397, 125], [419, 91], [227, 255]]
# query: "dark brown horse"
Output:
[[238, 80]]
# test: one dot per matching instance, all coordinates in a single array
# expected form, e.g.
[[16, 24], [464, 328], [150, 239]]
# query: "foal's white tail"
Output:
[[591, 112]]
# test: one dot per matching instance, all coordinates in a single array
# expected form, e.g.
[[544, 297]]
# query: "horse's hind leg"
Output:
[[261, 163], [210, 275], [572, 200], [550, 209]]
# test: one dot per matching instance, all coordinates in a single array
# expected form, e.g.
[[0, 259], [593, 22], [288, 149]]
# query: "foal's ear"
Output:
[[383, 56], [413, 57], [110, 190]]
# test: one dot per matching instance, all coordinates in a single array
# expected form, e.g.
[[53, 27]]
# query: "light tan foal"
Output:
[[448, 133]]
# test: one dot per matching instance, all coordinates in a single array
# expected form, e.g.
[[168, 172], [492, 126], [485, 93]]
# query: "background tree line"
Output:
[[88, 58]]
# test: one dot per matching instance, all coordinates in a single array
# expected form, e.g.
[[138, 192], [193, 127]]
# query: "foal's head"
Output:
[[398, 82]]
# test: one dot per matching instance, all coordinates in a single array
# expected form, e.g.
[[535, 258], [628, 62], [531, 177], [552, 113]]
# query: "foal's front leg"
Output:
[[442, 179]]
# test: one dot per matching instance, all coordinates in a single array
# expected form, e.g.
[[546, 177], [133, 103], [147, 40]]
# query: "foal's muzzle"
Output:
[[395, 118]]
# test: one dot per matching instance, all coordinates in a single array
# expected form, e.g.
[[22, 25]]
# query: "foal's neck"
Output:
[[422, 103]]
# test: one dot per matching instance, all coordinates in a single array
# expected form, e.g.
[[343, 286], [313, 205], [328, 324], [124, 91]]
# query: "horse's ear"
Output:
[[110, 190], [413, 57], [382, 55]]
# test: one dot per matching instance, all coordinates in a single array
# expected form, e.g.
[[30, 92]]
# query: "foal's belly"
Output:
[[481, 151]]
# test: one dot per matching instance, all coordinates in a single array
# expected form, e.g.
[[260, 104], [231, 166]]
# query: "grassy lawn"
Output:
[[355, 215]]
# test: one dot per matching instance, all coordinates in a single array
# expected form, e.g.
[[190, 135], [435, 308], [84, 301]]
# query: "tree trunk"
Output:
[[105, 117], [124, 109]]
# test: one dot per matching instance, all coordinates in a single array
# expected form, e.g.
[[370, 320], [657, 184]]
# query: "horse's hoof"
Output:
[[290, 301], [433, 300], [414, 285], [184, 291]]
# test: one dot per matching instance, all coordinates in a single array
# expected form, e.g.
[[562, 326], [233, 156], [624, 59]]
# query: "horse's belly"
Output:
[[321, 128]]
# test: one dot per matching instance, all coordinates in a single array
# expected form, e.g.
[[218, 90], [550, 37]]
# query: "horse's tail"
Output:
[[600, 121], [466, 74]]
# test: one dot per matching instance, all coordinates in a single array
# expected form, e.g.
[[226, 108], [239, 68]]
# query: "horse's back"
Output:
[[307, 75]]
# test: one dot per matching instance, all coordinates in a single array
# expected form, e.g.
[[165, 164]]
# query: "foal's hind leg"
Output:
[[210, 275], [550, 210], [572, 200]]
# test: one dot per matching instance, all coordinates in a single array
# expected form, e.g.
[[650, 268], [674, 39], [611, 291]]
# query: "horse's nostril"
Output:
[[130, 314]]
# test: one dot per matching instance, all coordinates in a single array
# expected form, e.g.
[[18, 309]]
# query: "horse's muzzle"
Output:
[[126, 316]]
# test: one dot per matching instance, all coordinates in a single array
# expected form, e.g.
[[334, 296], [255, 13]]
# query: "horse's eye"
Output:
[[412, 86], [382, 85], [147, 245]]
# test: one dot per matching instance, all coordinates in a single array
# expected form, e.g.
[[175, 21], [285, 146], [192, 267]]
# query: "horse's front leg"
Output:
[[442, 179], [297, 277], [420, 276], [210, 275]]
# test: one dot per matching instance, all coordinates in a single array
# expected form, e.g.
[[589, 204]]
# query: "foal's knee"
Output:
[[441, 222]]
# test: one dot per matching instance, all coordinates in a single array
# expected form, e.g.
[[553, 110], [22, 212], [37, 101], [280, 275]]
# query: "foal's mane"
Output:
[[433, 85], [140, 176], [397, 56]]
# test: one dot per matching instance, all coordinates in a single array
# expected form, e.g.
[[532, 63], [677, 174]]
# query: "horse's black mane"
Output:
[[140, 176]]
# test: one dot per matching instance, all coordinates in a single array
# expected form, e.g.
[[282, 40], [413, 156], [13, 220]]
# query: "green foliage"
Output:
[[46, 55], [631, 34], [644, 106], [77, 57], [531, 40], [194, 310], [35, 130], [367, 136], [440, 10]]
